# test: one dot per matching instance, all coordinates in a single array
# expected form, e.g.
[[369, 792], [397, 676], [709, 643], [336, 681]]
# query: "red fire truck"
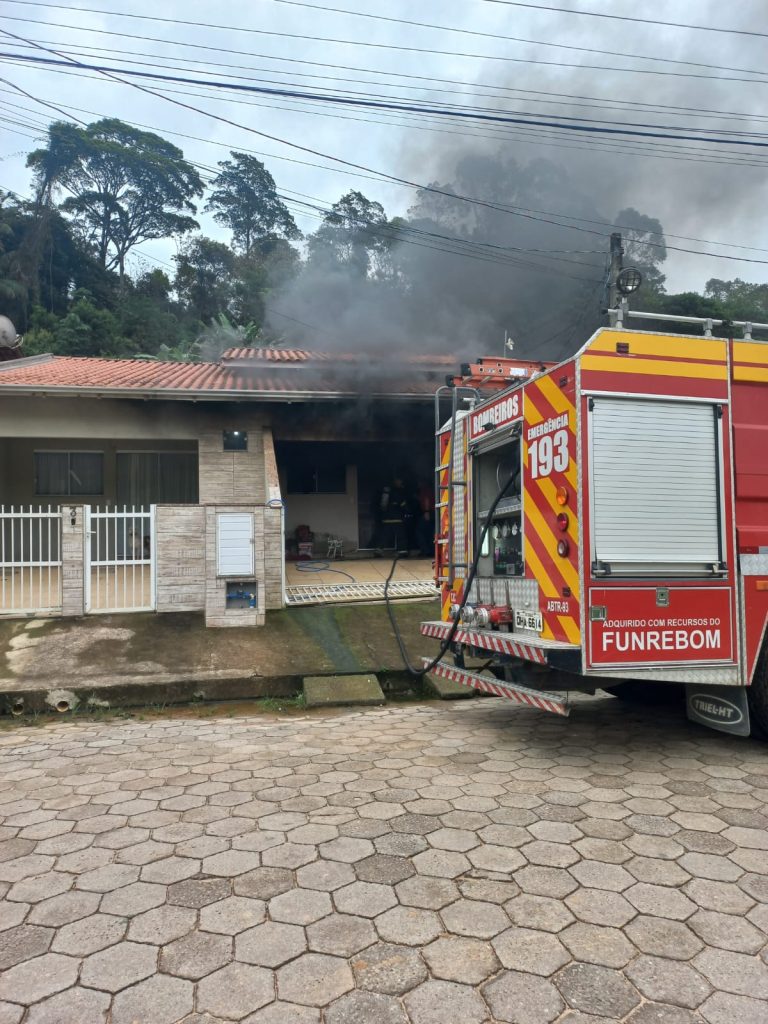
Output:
[[603, 522]]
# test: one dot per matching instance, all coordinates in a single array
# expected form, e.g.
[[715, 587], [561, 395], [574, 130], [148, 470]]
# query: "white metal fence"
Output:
[[120, 559], [30, 559]]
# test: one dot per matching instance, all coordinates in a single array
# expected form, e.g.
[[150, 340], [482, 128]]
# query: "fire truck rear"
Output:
[[603, 523]]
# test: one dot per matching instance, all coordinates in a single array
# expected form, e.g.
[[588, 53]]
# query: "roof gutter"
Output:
[[187, 395]]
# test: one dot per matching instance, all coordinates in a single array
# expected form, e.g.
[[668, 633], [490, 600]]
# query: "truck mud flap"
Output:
[[539, 699], [723, 708]]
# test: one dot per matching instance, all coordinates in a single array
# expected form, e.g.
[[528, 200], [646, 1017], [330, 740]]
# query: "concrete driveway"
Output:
[[438, 863]]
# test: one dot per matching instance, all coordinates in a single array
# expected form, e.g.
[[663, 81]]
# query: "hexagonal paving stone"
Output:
[[668, 981], [724, 897], [288, 855], [539, 912], [726, 931], [341, 935], [539, 881], [195, 955], [108, 878], [198, 892], [264, 883], [300, 906], [533, 952], [445, 1002], [501, 859], [596, 944], [64, 909], [389, 969], [660, 937], [659, 901], [725, 1008], [23, 942], [523, 999], [733, 972], [441, 863], [365, 1008], [383, 868], [429, 893], [75, 1004], [488, 890], [409, 926], [594, 875], [456, 839], [230, 863], [597, 990], [89, 935], [597, 906], [270, 944], [314, 979], [33, 980], [468, 961], [474, 918], [133, 899], [118, 966], [325, 875], [662, 1013], [159, 1000], [235, 991], [232, 915], [365, 899], [347, 850]]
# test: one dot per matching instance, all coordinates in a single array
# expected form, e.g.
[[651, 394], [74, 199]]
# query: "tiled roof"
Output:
[[320, 375]]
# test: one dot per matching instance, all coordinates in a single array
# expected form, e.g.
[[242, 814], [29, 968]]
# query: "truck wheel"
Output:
[[647, 693], [757, 699]]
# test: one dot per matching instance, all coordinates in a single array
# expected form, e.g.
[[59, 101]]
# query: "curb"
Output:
[[114, 693]]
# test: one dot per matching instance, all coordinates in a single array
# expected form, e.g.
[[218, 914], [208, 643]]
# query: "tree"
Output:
[[245, 200], [204, 277], [644, 247], [353, 234], [125, 185]]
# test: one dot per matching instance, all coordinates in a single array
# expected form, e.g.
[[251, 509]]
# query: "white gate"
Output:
[[120, 559], [30, 559]]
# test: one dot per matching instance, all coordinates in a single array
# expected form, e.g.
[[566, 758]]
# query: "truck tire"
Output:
[[757, 699], [647, 693]]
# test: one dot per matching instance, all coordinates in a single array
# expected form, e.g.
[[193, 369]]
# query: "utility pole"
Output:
[[617, 253]]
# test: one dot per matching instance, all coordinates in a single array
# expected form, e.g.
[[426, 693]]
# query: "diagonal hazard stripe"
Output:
[[545, 535], [570, 628], [556, 398]]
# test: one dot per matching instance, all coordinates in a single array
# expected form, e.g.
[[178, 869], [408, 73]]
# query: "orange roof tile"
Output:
[[237, 377]]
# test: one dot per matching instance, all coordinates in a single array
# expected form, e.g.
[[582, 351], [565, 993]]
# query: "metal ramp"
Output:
[[341, 593]]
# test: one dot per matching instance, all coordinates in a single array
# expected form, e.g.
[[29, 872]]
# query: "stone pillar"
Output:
[[73, 542]]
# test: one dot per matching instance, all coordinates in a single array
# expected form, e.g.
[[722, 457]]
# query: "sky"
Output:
[[700, 190]]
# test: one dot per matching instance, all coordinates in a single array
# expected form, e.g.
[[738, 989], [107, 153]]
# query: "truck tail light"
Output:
[[561, 496], [563, 547], [562, 522]]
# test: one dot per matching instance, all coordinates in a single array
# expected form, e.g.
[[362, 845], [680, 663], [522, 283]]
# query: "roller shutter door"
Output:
[[656, 485]]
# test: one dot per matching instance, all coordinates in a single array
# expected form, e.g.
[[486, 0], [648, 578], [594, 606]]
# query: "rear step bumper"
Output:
[[538, 699], [515, 645]]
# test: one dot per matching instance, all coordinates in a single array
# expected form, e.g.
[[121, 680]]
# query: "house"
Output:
[[135, 484]]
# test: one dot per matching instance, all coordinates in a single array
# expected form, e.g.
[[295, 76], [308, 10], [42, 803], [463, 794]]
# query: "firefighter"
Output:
[[393, 517]]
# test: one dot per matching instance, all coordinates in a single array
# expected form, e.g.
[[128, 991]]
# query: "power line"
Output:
[[626, 17], [385, 46], [383, 175], [378, 71], [126, 56], [506, 38], [533, 136], [665, 132]]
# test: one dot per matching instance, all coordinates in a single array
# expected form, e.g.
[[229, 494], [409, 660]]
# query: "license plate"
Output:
[[528, 620]]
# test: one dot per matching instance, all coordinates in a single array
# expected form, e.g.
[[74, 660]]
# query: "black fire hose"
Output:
[[446, 643]]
